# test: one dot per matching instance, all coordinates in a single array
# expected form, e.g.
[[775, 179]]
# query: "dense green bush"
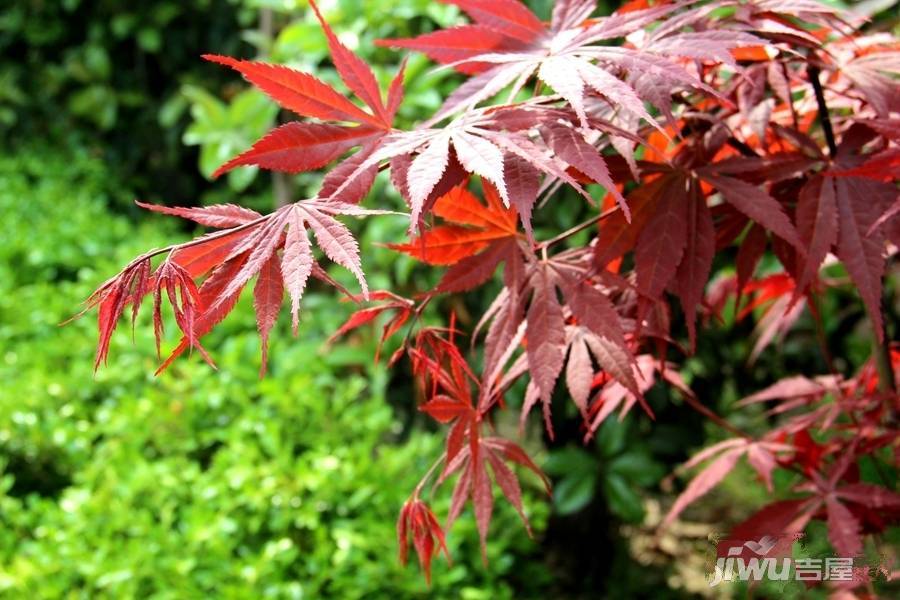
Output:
[[98, 73], [198, 483]]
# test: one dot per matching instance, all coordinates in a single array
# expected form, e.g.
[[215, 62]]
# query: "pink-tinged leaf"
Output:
[[395, 92], [297, 92], [561, 74], [693, 272], [705, 45], [217, 215], [353, 71], [418, 520], [775, 323], [140, 288], [706, 480], [157, 318], [424, 174], [184, 298], [889, 214], [763, 462], [817, 224], [479, 88], [456, 438], [623, 22], [617, 236], [772, 168], [660, 245], [843, 529], [524, 148], [870, 496], [509, 485], [509, 17], [808, 146], [787, 517], [267, 296], [337, 242], [399, 175], [296, 263], [883, 166], [617, 361], [482, 499], [514, 453], [570, 146], [889, 128], [653, 77], [111, 305], [879, 89], [777, 77], [617, 91], [594, 310], [481, 157], [460, 494], [546, 335], [791, 387], [213, 294], [473, 271], [710, 451], [216, 304], [501, 334], [453, 177], [523, 182], [568, 14], [296, 147], [579, 374], [749, 254], [861, 254], [754, 202], [261, 246], [784, 516], [347, 177], [803, 8]]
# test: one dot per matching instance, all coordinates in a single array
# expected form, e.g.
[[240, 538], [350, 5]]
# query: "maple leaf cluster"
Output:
[[772, 127]]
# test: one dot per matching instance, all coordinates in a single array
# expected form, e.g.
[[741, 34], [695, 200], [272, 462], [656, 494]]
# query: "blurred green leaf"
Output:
[[623, 500]]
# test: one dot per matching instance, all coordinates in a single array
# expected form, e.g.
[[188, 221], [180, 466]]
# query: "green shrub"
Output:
[[197, 483]]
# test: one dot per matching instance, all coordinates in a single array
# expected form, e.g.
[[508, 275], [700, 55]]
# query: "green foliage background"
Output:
[[196, 484]]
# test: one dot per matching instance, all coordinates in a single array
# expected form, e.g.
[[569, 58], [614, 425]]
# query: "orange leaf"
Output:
[[473, 227], [753, 53]]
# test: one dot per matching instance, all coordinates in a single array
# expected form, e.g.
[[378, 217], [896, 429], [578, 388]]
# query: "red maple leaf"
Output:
[[303, 146]]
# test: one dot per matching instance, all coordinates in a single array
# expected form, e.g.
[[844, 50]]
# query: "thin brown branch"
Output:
[[578, 228]]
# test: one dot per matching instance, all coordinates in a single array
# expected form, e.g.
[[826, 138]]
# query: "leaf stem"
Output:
[[428, 475], [714, 417], [813, 72], [887, 384]]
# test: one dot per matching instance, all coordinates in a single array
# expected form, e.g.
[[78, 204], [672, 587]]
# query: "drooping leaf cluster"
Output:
[[769, 126]]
